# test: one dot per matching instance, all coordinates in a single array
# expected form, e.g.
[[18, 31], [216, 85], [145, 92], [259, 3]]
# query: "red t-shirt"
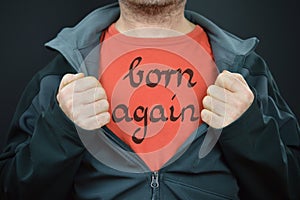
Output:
[[155, 88]]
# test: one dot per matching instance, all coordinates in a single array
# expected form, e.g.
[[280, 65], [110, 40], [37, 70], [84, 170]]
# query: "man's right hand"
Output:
[[84, 101]]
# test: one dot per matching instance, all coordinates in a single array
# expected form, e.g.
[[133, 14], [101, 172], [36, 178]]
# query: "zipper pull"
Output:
[[154, 181]]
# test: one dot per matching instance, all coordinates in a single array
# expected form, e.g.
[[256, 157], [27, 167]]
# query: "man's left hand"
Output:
[[226, 100]]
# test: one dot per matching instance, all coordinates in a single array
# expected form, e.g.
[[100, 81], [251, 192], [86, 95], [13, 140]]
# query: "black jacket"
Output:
[[256, 157]]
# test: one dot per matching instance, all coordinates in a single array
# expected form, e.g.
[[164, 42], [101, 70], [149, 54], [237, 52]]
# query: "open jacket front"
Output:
[[256, 157]]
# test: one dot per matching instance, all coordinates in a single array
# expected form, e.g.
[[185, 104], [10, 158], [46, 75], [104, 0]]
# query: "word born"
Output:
[[153, 78]]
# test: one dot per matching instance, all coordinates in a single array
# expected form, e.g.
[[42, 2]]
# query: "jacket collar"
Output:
[[77, 42]]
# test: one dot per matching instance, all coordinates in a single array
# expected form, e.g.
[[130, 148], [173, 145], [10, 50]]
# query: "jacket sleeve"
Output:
[[43, 150], [263, 146]]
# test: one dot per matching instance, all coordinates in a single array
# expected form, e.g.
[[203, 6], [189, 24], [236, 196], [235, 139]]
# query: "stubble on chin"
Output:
[[152, 7]]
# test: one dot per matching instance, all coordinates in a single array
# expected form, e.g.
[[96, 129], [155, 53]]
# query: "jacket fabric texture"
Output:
[[256, 157]]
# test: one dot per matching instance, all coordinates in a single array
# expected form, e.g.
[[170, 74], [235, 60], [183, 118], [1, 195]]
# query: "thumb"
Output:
[[69, 78]]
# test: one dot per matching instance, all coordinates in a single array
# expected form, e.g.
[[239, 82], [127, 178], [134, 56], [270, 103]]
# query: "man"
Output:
[[123, 113]]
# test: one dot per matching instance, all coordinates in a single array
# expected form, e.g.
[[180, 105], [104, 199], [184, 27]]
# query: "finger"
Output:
[[216, 106], [229, 82], [89, 110], [95, 122], [219, 93], [86, 83], [80, 85], [212, 119], [89, 96], [101, 106], [69, 78], [103, 118]]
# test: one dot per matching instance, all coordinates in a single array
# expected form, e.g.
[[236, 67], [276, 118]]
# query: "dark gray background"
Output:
[[27, 25]]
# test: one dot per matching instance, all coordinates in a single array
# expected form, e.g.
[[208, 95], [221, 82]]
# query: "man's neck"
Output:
[[153, 22]]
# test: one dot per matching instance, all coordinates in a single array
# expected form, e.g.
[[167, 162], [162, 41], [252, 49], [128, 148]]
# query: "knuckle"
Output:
[[206, 100], [103, 118], [226, 76], [69, 105], [244, 101], [58, 98], [249, 95], [66, 76], [105, 105], [76, 116], [233, 118], [220, 78], [106, 115], [231, 82], [92, 80], [210, 89], [102, 89], [238, 75], [221, 75], [85, 123], [205, 116], [218, 123], [100, 93], [232, 115], [225, 81], [225, 123], [60, 94], [99, 90]]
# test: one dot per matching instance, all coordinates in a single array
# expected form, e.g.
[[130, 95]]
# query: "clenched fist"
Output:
[[226, 100], [84, 101]]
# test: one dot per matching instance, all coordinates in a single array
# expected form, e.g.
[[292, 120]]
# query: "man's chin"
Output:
[[153, 7], [163, 3]]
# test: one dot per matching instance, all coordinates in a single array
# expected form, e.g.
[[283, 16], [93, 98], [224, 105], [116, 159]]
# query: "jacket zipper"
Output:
[[155, 185], [155, 175]]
